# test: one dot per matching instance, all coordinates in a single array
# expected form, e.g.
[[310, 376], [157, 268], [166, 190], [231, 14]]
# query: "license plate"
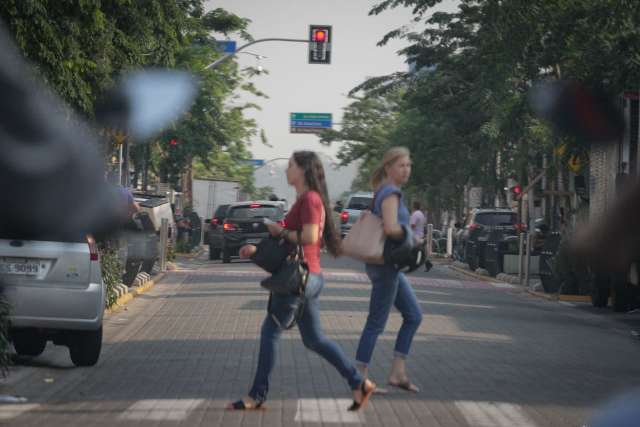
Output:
[[253, 241], [20, 268]]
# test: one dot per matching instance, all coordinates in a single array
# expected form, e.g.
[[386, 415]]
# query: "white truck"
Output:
[[208, 194]]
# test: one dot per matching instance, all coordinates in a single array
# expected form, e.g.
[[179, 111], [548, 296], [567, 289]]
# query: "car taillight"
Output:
[[93, 248], [215, 221], [255, 205], [228, 226], [282, 224], [474, 227], [520, 228], [344, 217]]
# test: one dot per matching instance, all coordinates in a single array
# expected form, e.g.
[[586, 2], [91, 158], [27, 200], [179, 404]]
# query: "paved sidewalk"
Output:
[[484, 356]]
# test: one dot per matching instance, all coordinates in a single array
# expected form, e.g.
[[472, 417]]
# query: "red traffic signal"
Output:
[[320, 36], [319, 44]]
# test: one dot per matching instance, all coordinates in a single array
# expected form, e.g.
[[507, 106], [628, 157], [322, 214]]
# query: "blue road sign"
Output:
[[253, 162], [227, 46], [310, 122]]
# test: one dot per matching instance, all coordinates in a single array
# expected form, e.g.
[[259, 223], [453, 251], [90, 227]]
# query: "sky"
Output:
[[293, 85]]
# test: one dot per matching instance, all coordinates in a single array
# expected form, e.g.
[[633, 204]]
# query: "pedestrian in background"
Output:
[[418, 223], [311, 216], [389, 287]]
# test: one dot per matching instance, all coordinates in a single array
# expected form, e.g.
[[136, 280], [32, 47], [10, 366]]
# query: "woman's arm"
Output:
[[390, 207], [310, 233]]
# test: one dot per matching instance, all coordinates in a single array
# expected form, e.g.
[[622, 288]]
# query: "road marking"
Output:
[[493, 414], [10, 411], [161, 409], [327, 411], [456, 304]]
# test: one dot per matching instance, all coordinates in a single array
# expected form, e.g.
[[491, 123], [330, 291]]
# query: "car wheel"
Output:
[[85, 346], [600, 291], [471, 258], [226, 256], [131, 271], [214, 253], [147, 265], [28, 343]]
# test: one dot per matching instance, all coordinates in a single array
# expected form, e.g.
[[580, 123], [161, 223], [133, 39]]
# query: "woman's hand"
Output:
[[247, 251], [275, 229]]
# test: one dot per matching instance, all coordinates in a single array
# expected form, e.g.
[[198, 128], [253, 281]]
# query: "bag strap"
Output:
[[299, 248]]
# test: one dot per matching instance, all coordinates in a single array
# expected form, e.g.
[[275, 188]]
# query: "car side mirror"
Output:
[[338, 209]]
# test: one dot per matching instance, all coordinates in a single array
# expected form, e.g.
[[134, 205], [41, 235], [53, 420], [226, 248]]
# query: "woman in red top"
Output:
[[308, 215]]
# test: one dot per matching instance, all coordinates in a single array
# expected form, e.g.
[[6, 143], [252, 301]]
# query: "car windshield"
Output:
[[221, 211], [495, 218], [359, 203], [246, 212]]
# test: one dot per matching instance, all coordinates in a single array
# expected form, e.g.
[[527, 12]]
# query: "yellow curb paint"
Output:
[[575, 298], [124, 299], [550, 297], [472, 274]]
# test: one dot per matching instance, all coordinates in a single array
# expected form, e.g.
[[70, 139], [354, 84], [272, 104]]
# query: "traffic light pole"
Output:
[[229, 55]]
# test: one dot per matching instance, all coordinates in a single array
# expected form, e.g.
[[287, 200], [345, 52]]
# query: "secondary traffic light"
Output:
[[319, 44]]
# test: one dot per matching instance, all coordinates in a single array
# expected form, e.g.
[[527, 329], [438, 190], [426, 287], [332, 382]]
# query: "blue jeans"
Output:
[[312, 337], [389, 288]]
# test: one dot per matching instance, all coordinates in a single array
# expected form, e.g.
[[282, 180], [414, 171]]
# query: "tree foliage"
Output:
[[464, 112]]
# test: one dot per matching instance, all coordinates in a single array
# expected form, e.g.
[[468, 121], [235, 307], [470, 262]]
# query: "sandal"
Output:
[[405, 385], [241, 405], [366, 394]]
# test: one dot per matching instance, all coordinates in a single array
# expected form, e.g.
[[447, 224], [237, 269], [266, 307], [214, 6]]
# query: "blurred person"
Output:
[[309, 216], [389, 287]]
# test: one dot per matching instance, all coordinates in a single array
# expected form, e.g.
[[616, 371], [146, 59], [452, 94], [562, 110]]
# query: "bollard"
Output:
[[202, 224], [527, 262], [450, 242], [164, 241], [429, 240], [520, 258]]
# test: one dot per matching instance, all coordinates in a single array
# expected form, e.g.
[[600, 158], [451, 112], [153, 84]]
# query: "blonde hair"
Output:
[[390, 157]]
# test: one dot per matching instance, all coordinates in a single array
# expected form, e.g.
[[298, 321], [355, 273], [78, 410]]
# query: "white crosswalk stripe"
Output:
[[9, 411], [161, 409], [493, 414], [327, 411]]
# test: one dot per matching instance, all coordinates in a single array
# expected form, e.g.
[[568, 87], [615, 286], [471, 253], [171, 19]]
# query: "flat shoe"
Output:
[[240, 405], [405, 385], [366, 394]]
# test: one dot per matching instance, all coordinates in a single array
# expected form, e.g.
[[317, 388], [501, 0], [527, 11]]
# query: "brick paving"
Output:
[[484, 356]]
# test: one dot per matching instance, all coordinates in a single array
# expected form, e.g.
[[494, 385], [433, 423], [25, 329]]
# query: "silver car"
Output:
[[355, 204], [56, 293]]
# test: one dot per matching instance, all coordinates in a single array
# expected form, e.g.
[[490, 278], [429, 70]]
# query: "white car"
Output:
[[56, 293]]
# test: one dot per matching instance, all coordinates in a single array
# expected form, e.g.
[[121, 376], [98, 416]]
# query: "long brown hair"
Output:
[[390, 157], [315, 179]]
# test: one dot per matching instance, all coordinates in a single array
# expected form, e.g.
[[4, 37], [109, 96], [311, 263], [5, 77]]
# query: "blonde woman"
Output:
[[389, 286]]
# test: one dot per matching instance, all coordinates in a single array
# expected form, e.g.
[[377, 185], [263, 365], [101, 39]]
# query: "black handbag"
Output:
[[292, 275], [270, 254], [287, 288]]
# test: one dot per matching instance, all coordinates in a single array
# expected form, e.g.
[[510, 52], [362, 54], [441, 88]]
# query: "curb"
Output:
[[488, 279], [142, 284], [195, 254], [560, 297]]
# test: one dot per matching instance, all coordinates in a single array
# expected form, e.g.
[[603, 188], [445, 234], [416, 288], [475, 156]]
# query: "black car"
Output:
[[486, 225], [214, 235], [244, 224]]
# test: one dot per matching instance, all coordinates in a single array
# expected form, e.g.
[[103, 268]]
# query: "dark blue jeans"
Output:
[[312, 337], [389, 288]]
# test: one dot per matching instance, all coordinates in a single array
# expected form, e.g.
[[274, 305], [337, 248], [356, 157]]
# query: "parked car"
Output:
[[353, 207], [214, 235], [482, 225], [56, 293], [244, 225], [139, 238]]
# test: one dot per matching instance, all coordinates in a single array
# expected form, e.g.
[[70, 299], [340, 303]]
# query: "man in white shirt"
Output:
[[418, 222]]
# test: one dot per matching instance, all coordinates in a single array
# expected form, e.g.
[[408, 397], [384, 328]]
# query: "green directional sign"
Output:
[[310, 122]]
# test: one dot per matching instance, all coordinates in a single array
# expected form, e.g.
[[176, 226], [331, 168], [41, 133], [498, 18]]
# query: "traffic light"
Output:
[[319, 44], [516, 191]]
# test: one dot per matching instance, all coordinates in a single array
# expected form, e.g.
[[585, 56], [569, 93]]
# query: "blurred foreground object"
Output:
[[588, 114], [592, 117], [50, 168]]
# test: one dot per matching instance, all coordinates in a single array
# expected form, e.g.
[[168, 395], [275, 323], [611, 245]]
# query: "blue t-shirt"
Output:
[[386, 191]]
